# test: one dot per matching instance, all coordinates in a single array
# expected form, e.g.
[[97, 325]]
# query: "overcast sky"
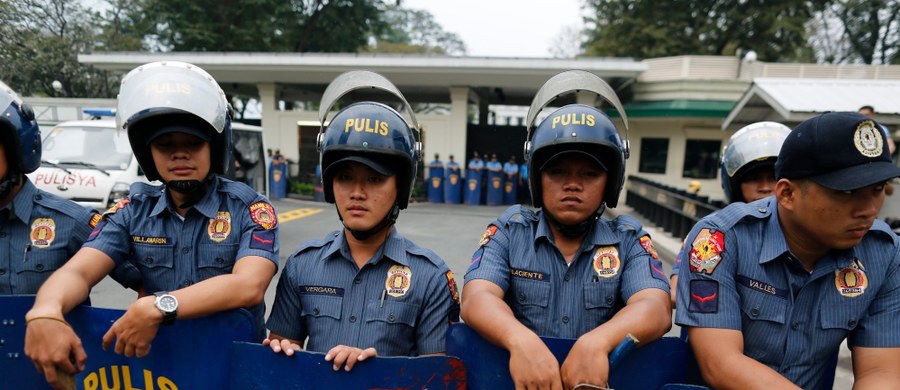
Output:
[[504, 28]]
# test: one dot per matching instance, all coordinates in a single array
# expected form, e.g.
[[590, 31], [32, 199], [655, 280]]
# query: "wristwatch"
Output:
[[167, 305]]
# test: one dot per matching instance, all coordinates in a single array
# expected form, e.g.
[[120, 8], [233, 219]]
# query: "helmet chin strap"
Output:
[[192, 189], [387, 221], [579, 229], [9, 182]]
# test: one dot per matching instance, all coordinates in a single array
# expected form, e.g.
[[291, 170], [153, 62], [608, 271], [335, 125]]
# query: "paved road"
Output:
[[452, 231]]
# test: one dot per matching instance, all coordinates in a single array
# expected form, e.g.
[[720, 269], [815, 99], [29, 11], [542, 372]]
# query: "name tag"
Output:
[[761, 286], [150, 240], [521, 273], [322, 290]]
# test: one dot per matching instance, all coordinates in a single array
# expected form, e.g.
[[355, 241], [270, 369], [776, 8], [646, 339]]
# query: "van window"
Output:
[[100, 146]]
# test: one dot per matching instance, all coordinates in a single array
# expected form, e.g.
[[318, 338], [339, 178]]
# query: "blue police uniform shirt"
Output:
[[452, 167], [510, 168], [552, 298], [739, 274], [401, 302], [39, 232], [494, 166], [476, 165], [231, 221], [523, 172]]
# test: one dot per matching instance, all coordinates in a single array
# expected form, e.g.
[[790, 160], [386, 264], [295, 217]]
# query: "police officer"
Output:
[[748, 170], [365, 290], [39, 231], [563, 270], [511, 171], [199, 243], [773, 287]]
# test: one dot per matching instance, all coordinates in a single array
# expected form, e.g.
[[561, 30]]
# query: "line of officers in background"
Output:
[[486, 182]]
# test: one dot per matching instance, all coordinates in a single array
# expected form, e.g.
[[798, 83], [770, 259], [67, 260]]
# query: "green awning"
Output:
[[676, 108]]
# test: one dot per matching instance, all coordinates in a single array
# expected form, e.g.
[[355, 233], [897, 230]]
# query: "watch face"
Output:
[[168, 303]]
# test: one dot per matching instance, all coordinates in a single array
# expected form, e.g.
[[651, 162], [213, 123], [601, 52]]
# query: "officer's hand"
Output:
[[54, 349], [343, 355], [587, 363], [135, 330], [285, 345], [533, 366]]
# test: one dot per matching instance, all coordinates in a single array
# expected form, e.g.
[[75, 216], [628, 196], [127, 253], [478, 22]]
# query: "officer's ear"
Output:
[[787, 192]]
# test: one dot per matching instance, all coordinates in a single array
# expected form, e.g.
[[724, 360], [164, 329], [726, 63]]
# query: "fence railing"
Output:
[[674, 210]]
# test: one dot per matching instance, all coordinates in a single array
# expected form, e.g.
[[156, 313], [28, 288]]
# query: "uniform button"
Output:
[[762, 210], [185, 283], [565, 319], [522, 297], [2, 271], [754, 312], [609, 300], [220, 260], [39, 267], [358, 280], [185, 250], [352, 318], [148, 260], [796, 326], [391, 318], [567, 277], [851, 323]]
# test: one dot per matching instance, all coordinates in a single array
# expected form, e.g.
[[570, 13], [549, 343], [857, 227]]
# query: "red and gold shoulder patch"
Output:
[[118, 206], [486, 237], [706, 251], [95, 219], [264, 215], [647, 244], [451, 284]]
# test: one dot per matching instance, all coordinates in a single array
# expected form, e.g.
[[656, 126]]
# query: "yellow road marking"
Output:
[[296, 214]]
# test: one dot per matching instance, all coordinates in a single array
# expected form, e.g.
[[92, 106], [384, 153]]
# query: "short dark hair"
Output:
[[867, 107]]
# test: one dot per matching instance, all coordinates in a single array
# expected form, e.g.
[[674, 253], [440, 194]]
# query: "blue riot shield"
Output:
[[436, 185], [278, 183], [254, 366], [510, 187], [652, 366], [473, 187], [495, 188], [186, 355], [453, 187]]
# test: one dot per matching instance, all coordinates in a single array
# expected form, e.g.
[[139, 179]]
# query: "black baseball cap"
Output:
[[838, 150]]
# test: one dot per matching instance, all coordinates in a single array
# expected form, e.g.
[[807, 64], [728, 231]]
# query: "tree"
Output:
[[856, 31], [414, 31], [39, 44], [646, 29]]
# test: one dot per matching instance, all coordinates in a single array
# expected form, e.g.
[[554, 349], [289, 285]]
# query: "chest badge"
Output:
[[606, 262], [43, 231], [706, 251], [220, 226], [399, 279], [851, 281]]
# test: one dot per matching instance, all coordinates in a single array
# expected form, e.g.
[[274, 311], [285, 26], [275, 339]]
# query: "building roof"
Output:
[[791, 101], [422, 78]]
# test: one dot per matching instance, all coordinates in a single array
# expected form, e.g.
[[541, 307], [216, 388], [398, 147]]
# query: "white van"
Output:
[[92, 164]]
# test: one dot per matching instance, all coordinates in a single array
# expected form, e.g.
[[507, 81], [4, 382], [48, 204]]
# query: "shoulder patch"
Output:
[[264, 215], [451, 285], [706, 251], [486, 237], [704, 296], [95, 218], [118, 206], [647, 244]]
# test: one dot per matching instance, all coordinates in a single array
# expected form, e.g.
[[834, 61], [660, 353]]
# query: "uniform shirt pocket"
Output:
[[600, 301], [838, 317], [216, 259], [529, 300], [392, 326], [156, 264], [763, 326], [43, 260]]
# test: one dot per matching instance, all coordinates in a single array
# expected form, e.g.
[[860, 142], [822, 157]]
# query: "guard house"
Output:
[[681, 109]]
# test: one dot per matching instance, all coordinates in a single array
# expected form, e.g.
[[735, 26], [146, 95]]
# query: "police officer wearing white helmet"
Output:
[[747, 172], [39, 231], [198, 243]]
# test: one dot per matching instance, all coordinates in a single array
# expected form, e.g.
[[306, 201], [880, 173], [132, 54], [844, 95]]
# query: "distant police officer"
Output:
[[773, 287], [199, 243], [564, 271], [748, 170], [39, 231], [365, 290]]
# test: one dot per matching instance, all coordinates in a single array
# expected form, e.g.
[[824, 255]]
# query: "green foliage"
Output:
[[301, 188], [414, 31], [857, 31], [646, 29]]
